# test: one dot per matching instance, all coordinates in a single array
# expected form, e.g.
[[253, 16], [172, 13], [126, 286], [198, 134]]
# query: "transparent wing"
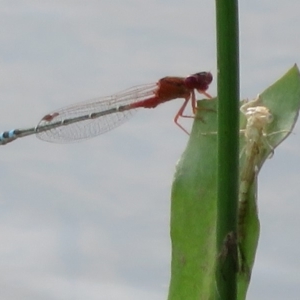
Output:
[[93, 117]]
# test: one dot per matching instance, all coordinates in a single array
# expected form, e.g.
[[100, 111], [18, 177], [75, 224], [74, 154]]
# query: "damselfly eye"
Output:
[[199, 81]]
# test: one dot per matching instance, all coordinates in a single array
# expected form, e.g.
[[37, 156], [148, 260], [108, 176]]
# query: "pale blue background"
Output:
[[91, 220]]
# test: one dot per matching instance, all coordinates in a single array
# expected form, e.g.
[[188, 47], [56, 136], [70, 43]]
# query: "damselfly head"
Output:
[[199, 81]]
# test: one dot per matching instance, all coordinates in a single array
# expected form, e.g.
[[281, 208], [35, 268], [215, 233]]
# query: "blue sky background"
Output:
[[91, 220]]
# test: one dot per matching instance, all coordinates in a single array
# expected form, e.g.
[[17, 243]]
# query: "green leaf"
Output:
[[193, 213], [193, 204], [283, 101]]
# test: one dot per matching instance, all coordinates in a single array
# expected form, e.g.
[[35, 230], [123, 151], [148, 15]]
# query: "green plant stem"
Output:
[[228, 146]]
